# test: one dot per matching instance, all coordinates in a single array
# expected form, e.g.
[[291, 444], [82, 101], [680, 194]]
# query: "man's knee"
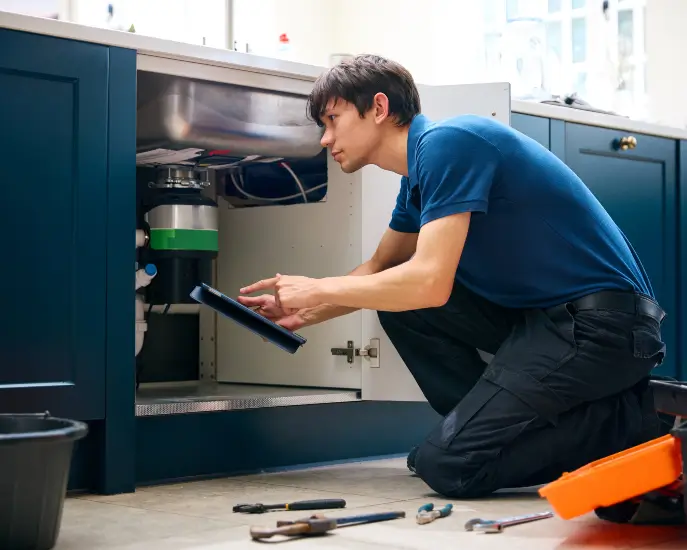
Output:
[[454, 474]]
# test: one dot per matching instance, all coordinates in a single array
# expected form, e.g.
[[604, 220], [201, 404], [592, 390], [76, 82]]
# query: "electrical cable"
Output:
[[304, 192], [295, 178]]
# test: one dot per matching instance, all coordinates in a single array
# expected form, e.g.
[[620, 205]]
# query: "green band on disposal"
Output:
[[183, 239]]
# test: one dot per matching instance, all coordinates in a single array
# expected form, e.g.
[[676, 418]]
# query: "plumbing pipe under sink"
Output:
[[143, 278]]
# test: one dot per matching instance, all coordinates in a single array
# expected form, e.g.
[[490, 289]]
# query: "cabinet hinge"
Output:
[[350, 351]]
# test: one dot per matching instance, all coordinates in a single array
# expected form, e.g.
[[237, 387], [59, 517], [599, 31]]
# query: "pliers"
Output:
[[427, 514]]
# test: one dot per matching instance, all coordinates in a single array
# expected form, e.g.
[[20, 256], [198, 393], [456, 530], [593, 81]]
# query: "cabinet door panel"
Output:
[[638, 189], [388, 379], [53, 145], [532, 126]]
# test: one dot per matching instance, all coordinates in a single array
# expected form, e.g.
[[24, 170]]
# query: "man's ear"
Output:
[[380, 107]]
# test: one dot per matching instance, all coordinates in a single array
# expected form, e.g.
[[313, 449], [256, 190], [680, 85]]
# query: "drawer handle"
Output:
[[626, 142]]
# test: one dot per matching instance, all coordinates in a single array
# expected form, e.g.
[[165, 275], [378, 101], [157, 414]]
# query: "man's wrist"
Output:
[[327, 289], [309, 316]]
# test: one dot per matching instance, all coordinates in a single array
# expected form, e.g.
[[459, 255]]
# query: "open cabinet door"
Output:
[[316, 240], [386, 378]]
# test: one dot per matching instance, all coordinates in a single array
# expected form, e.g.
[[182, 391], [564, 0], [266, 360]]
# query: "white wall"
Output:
[[309, 25], [190, 21], [438, 41], [666, 44]]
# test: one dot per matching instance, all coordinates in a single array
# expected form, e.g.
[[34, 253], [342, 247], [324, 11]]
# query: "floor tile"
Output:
[[88, 525], [216, 498], [198, 516], [386, 479]]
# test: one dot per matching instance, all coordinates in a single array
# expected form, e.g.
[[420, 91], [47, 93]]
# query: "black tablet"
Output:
[[246, 317]]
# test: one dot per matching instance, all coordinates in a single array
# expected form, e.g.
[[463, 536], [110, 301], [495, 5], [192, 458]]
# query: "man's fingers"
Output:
[[260, 285], [252, 301]]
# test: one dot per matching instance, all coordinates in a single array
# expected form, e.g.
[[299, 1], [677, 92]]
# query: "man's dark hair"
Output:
[[358, 80]]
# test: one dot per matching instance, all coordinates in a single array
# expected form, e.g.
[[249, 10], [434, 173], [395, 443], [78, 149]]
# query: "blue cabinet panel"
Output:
[[532, 126], [53, 146], [638, 188], [682, 259]]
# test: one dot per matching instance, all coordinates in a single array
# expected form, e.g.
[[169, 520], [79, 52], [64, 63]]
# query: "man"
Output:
[[494, 245]]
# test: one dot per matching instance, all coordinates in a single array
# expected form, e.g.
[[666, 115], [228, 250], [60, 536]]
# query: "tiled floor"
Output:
[[198, 516]]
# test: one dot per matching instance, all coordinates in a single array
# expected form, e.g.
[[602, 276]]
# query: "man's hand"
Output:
[[291, 293], [266, 306]]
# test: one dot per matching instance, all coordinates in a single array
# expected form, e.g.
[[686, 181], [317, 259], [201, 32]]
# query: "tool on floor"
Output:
[[320, 504], [427, 514], [498, 525], [318, 524]]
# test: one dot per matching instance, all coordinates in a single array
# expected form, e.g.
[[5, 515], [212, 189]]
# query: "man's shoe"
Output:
[[411, 459]]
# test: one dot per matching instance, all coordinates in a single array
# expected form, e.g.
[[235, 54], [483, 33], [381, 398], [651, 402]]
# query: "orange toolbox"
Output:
[[627, 475]]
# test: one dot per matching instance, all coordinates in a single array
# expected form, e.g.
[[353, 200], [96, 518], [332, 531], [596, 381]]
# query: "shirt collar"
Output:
[[417, 126]]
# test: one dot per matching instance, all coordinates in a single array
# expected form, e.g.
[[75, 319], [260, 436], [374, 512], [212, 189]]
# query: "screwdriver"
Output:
[[321, 504]]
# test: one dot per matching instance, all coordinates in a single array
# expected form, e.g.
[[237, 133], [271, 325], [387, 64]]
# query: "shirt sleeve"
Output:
[[455, 168], [401, 220]]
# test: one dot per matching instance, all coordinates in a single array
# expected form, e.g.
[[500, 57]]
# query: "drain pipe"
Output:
[[143, 278], [141, 238]]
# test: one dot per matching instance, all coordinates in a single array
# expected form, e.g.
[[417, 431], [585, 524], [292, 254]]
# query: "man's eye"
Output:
[[331, 117]]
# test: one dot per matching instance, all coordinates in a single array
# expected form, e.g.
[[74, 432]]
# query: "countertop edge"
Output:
[[160, 47], [596, 119], [151, 46]]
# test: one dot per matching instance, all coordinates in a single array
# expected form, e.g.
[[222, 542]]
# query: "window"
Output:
[[567, 30], [512, 9], [494, 11], [554, 38], [625, 32], [579, 40]]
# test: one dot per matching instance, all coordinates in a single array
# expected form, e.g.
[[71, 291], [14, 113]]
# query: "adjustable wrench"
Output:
[[498, 525]]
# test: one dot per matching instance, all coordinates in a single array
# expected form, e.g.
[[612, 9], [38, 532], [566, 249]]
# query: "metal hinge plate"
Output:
[[350, 352]]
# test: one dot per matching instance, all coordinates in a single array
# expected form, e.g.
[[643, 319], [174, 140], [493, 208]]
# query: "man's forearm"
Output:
[[325, 312], [412, 285]]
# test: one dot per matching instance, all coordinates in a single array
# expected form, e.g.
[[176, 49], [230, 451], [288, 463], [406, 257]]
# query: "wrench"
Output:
[[498, 525]]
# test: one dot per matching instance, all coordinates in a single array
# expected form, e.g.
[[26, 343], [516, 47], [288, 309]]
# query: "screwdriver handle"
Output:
[[321, 504]]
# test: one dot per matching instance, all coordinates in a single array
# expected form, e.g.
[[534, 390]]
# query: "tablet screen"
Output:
[[246, 317]]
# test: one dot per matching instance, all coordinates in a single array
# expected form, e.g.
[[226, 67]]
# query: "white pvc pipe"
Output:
[[141, 238], [145, 275], [141, 325]]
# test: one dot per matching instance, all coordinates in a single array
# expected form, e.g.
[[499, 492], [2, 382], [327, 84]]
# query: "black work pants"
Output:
[[564, 387]]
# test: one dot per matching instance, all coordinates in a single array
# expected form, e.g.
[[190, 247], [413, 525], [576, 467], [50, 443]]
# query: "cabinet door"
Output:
[[320, 239], [638, 189], [535, 127], [388, 379], [53, 146]]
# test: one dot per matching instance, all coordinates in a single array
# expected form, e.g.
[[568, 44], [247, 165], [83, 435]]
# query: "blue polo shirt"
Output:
[[538, 237]]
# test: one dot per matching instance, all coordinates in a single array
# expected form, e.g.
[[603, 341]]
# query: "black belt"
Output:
[[625, 302]]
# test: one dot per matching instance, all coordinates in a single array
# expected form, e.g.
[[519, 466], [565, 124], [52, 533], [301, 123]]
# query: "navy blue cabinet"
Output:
[[61, 166], [638, 188], [532, 126], [53, 136]]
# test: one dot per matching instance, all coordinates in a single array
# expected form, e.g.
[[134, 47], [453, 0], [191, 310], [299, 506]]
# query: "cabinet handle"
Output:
[[626, 142]]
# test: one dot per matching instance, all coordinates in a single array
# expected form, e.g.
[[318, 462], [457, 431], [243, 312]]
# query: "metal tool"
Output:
[[318, 525], [321, 504], [427, 514], [498, 525]]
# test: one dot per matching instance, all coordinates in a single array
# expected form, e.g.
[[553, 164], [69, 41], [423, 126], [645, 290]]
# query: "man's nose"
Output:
[[326, 140]]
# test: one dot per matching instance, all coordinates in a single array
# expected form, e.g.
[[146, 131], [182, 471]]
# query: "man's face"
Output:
[[351, 139]]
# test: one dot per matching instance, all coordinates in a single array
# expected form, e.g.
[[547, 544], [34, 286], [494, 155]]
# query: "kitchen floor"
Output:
[[198, 516]]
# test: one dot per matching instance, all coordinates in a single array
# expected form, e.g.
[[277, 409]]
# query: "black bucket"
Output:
[[35, 456]]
